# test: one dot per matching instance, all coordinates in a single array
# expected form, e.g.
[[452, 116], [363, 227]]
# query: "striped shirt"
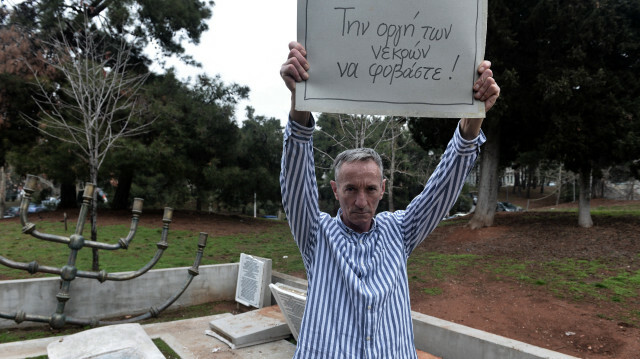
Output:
[[358, 296]]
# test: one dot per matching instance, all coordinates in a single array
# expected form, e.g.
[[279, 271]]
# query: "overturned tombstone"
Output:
[[291, 301], [256, 327], [120, 341]]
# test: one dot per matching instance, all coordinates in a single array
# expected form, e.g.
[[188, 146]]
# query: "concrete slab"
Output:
[[251, 328], [185, 337], [110, 342]]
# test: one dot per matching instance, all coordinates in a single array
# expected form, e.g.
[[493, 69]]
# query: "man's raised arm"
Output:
[[485, 89], [297, 176], [292, 71]]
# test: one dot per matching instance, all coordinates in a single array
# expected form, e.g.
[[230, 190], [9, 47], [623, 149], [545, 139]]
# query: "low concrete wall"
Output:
[[454, 341], [90, 298]]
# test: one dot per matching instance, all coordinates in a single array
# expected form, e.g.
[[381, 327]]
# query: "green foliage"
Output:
[[145, 21], [194, 147], [432, 291], [429, 265], [165, 349], [16, 136], [590, 88], [574, 278], [630, 209]]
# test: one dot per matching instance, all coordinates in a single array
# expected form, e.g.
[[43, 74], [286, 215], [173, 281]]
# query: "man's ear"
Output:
[[384, 182], [334, 187]]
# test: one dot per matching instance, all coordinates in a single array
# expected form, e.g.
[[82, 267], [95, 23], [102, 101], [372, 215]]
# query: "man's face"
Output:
[[359, 189]]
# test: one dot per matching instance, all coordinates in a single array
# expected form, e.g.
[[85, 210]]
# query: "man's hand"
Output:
[[292, 71], [295, 68], [485, 89]]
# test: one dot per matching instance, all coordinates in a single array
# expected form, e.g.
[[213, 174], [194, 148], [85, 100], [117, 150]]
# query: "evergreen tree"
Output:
[[588, 61]]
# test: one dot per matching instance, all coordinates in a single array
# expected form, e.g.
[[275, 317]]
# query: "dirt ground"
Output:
[[532, 314]]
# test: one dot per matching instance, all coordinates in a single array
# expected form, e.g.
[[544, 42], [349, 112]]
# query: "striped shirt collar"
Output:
[[346, 230]]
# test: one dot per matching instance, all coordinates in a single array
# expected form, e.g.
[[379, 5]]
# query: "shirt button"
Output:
[[369, 307], [368, 338]]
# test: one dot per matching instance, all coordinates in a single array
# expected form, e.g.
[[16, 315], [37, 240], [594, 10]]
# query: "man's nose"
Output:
[[361, 199]]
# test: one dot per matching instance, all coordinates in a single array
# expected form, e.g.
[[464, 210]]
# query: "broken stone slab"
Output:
[[250, 328], [254, 276], [119, 341]]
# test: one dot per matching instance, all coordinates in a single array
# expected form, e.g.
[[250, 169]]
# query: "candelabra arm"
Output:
[[124, 242], [153, 311], [139, 272], [101, 245], [31, 267], [87, 197], [102, 276], [30, 228], [202, 242], [20, 317]]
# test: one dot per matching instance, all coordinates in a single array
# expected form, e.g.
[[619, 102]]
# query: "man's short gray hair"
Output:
[[357, 154]]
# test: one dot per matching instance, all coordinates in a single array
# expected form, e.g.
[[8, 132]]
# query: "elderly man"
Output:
[[358, 298]]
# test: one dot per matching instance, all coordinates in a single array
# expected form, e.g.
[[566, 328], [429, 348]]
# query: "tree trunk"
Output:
[[95, 263], [3, 191], [559, 185], [198, 203], [584, 206], [488, 185], [529, 181], [121, 197], [68, 196]]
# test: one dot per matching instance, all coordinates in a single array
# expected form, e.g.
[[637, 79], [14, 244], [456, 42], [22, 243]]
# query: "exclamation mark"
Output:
[[454, 66]]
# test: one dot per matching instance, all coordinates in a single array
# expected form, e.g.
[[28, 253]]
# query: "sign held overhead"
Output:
[[404, 58]]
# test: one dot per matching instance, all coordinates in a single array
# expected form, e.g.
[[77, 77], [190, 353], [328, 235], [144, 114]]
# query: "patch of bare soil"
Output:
[[585, 328]]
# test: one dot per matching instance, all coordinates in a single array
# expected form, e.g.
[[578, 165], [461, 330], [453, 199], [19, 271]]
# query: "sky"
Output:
[[246, 44]]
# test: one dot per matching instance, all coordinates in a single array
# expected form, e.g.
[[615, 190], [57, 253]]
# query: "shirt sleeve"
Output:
[[299, 187], [442, 189]]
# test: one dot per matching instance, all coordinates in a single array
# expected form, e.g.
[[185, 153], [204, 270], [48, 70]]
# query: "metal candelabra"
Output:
[[76, 242]]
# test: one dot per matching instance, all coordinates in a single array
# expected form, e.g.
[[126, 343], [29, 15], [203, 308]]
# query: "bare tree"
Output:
[[356, 131], [388, 136], [97, 106], [398, 139]]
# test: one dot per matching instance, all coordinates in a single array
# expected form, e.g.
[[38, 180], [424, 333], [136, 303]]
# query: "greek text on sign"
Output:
[[402, 57]]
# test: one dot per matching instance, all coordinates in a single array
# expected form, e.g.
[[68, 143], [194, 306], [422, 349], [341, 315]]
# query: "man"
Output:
[[358, 296]]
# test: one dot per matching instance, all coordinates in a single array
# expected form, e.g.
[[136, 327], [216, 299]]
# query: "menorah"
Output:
[[76, 242]]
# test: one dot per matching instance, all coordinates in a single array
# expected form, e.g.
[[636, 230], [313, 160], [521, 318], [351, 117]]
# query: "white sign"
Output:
[[249, 287], [291, 302], [403, 57]]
